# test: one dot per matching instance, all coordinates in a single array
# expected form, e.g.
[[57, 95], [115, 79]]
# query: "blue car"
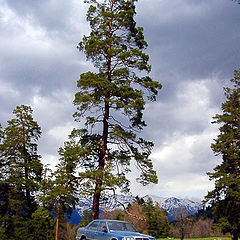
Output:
[[110, 230]]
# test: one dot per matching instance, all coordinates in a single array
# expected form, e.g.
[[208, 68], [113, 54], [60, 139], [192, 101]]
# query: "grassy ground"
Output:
[[210, 238]]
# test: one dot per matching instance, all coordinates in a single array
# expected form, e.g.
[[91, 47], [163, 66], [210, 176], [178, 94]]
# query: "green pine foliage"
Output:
[[112, 99], [225, 198], [86, 218], [21, 172], [43, 225], [64, 190], [59, 190], [157, 221]]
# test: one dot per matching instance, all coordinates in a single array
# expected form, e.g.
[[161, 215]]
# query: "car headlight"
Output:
[[128, 238]]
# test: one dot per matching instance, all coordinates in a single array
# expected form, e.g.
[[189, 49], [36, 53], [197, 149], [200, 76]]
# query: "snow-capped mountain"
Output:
[[108, 204], [172, 203], [169, 204]]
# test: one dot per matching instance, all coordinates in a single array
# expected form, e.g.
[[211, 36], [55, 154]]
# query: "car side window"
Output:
[[93, 226], [102, 227], [116, 226]]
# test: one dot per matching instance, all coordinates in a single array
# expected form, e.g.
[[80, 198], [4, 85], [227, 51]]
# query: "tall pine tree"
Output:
[[226, 195], [112, 100], [21, 172]]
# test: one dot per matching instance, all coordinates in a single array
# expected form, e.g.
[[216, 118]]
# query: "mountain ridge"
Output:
[[170, 204]]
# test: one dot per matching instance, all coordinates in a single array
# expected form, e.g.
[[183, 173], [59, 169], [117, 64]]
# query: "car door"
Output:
[[91, 230], [102, 231]]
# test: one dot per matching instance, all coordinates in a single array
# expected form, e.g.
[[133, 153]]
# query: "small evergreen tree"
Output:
[[59, 191], [157, 221], [86, 218], [225, 197], [112, 100], [43, 225]]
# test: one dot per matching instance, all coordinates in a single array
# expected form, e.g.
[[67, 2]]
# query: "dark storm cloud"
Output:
[[188, 41], [193, 38], [53, 14], [188, 111], [38, 44], [28, 68], [63, 20], [40, 65]]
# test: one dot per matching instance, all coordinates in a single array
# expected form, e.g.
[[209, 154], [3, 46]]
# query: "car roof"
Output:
[[108, 220]]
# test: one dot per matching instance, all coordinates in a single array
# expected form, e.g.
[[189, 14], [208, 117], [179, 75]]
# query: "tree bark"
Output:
[[96, 201], [235, 236], [101, 162], [182, 234], [57, 223], [26, 175]]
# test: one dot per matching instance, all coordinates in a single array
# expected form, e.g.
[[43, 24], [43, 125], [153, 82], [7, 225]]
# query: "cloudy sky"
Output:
[[193, 47]]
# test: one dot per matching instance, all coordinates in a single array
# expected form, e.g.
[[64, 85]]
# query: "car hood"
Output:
[[130, 234]]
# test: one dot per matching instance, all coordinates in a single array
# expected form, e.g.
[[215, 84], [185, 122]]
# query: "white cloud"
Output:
[[192, 98], [51, 160], [20, 26], [184, 156], [181, 164], [185, 7], [60, 133], [52, 109], [54, 115], [7, 90]]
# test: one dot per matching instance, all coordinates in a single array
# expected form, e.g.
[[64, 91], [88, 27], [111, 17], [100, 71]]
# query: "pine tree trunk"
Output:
[[26, 175], [101, 165], [57, 223], [182, 232], [182, 236], [98, 188], [235, 236], [96, 201]]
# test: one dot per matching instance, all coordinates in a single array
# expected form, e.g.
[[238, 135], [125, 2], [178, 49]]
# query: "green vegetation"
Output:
[[31, 195], [225, 198], [20, 175], [210, 238]]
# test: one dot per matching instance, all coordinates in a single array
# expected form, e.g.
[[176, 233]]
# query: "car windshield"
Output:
[[121, 226]]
